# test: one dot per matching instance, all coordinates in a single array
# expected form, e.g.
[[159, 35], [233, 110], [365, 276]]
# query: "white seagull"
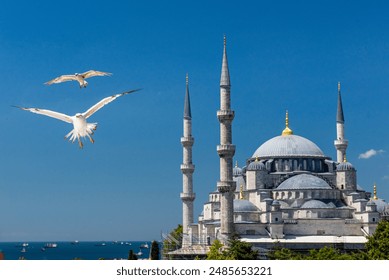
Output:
[[80, 126], [79, 77]]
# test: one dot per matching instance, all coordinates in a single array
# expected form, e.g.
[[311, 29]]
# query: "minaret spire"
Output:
[[225, 75], [340, 143], [339, 115], [187, 168], [187, 111], [226, 150]]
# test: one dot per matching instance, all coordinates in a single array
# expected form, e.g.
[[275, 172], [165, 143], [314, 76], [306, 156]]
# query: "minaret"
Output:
[[340, 142], [226, 186], [187, 168]]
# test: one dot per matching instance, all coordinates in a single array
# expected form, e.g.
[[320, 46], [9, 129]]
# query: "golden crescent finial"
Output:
[[287, 130], [241, 196], [375, 192]]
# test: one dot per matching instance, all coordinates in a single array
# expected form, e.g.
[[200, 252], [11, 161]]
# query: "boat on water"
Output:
[[144, 246], [51, 245], [75, 242], [101, 244], [140, 253], [25, 244], [23, 250]]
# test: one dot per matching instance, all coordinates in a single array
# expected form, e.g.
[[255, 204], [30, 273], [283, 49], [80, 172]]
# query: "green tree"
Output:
[[173, 241], [327, 253], [217, 251], [236, 250], [279, 253], [154, 251], [240, 250], [377, 246], [131, 255]]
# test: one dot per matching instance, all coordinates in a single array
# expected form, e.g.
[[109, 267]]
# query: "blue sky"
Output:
[[283, 55]]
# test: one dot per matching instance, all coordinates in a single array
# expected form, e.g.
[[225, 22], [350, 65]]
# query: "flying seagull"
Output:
[[79, 77], [80, 126]]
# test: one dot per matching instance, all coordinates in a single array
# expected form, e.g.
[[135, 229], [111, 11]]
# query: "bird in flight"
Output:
[[79, 77], [81, 128]]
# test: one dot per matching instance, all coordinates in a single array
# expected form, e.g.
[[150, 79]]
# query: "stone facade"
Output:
[[288, 191]]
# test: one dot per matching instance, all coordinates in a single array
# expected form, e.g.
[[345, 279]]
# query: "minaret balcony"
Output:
[[187, 141], [226, 186], [225, 115], [185, 167], [187, 196], [225, 150], [341, 144]]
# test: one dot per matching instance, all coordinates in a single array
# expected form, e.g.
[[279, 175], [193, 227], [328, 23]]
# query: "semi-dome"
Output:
[[343, 166], [242, 205], [303, 181], [288, 146], [381, 204], [316, 204], [237, 171], [256, 166]]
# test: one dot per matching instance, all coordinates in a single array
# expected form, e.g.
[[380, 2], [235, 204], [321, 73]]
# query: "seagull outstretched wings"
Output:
[[79, 77], [81, 128]]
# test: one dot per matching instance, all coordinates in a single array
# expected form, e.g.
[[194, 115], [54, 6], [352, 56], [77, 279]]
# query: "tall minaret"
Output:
[[226, 186], [340, 142], [187, 168]]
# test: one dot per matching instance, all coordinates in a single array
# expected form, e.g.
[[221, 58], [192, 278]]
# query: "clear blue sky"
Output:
[[283, 55]]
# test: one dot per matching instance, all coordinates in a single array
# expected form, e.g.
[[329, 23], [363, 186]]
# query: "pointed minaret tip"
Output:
[[339, 115], [187, 111], [225, 75]]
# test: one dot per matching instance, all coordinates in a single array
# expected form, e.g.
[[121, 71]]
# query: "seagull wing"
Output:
[[63, 78], [48, 113], [92, 73], [104, 102]]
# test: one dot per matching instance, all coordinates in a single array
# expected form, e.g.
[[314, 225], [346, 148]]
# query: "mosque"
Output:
[[288, 192]]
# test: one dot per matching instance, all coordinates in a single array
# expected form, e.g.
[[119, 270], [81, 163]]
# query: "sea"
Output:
[[75, 250]]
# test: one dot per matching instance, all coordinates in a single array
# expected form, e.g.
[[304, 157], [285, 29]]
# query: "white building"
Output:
[[289, 191]]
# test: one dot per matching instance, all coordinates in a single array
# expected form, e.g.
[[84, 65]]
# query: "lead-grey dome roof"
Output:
[[316, 204], [343, 166], [237, 171], [288, 146], [256, 165], [303, 181], [242, 205]]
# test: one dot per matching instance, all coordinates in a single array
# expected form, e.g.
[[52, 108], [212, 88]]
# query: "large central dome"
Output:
[[288, 146]]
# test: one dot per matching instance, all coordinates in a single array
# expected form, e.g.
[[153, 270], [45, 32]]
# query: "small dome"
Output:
[[275, 202], [303, 181], [381, 204], [288, 146], [242, 205], [343, 166], [256, 166], [237, 171], [316, 204]]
